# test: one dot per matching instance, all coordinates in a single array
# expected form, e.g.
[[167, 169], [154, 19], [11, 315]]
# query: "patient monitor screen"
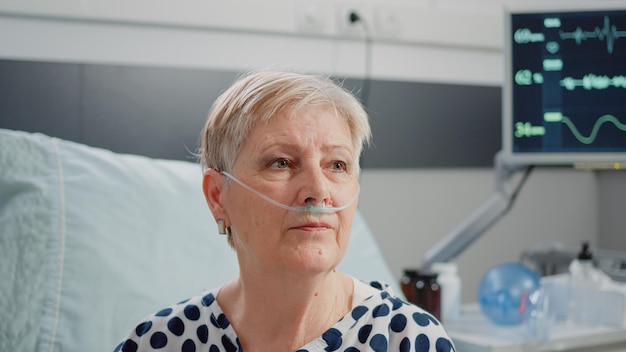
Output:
[[566, 86]]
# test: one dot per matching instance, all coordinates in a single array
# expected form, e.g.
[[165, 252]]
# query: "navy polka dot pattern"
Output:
[[379, 321]]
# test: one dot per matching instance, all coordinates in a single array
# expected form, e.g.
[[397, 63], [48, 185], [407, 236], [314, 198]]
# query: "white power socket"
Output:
[[310, 17], [387, 23], [355, 19], [358, 28]]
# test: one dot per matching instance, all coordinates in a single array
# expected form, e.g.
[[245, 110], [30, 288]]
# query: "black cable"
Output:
[[521, 183], [365, 89]]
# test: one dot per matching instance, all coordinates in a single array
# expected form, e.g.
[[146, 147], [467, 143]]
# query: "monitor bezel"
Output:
[[599, 160]]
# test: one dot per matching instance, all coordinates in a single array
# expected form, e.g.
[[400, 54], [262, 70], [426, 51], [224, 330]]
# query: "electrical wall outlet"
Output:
[[358, 28], [355, 19], [387, 23], [311, 17]]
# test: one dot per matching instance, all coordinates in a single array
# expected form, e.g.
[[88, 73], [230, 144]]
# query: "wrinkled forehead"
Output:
[[297, 111], [318, 127]]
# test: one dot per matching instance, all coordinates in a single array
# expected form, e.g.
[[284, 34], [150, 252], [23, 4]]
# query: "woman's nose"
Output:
[[315, 188]]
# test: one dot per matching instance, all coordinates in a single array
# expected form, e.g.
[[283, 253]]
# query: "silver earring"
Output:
[[221, 226]]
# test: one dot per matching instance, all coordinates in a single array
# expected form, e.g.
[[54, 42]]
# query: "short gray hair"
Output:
[[258, 96]]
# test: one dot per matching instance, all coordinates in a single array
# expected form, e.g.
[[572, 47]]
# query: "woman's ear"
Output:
[[212, 186]]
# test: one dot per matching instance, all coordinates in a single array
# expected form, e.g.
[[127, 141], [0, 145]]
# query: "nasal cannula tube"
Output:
[[311, 208]]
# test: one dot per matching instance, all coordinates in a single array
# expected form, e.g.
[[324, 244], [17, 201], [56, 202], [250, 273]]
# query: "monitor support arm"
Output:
[[479, 221]]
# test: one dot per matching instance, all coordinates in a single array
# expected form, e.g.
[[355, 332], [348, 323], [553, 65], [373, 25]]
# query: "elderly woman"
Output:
[[280, 152]]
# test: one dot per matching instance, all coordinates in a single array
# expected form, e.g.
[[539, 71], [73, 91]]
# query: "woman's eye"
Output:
[[280, 163], [338, 166]]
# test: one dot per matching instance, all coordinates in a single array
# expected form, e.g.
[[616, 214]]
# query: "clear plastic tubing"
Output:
[[310, 208]]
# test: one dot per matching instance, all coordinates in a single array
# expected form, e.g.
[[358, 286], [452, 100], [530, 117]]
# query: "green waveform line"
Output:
[[592, 81], [608, 32], [596, 127]]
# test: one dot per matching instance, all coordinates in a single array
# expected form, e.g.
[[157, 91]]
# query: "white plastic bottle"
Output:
[[585, 281], [450, 282]]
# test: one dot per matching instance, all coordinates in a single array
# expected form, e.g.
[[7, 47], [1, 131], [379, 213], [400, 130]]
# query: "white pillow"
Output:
[[93, 241]]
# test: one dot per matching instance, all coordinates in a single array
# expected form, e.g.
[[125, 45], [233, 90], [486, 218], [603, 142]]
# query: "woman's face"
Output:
[[295, 159]]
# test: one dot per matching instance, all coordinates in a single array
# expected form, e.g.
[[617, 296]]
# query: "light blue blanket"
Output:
[[92, 241]]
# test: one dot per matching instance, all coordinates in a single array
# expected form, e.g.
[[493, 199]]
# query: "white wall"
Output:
[[429, 44], [410, 210], [427, 40], [611, 210]]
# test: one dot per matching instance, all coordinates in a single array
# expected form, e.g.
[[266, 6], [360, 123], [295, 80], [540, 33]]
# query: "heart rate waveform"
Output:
[[593, 81], [558, 117], [607, 32]]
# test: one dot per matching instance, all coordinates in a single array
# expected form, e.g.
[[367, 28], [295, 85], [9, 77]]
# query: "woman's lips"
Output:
[[312, 226]]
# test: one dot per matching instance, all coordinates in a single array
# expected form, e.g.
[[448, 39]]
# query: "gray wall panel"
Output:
[[433, 125], [159, 112], [41, 97], [149, 111]]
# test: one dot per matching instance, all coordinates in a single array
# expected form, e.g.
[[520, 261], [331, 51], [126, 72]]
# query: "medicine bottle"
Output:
[[407, 283], [421, 288], [450, 283], [584, 285]]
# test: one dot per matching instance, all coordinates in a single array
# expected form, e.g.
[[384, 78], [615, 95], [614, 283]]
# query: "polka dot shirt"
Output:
[[379, 321]]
